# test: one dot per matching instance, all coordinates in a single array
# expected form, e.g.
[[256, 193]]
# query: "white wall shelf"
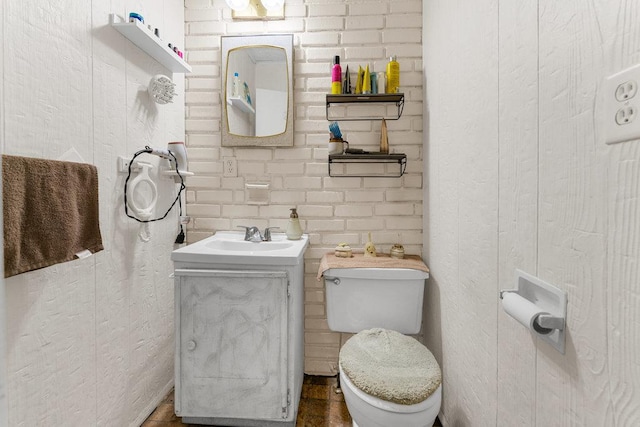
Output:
[[241, 104], [154, 46]]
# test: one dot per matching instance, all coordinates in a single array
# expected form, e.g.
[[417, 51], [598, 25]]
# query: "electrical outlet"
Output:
[[626, 115], [621, 106], [626, 90], [230, 166]]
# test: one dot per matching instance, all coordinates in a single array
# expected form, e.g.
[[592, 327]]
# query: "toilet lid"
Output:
[[390, 366]]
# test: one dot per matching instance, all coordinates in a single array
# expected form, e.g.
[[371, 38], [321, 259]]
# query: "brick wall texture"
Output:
[[332, 209]]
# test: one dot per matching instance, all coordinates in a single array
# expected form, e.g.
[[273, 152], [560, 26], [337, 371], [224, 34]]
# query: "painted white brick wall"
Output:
[[90, 342], [526, 181], [332, 210]]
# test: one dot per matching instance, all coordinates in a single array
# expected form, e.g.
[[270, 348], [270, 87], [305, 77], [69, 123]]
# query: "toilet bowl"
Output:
[[371, 411], [389, 380], [379, 305]]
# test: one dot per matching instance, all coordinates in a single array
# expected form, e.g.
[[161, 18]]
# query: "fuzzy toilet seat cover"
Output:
[[390, 366]]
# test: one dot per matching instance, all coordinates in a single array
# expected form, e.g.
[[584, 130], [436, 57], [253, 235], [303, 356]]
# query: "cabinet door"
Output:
[[232, 344]]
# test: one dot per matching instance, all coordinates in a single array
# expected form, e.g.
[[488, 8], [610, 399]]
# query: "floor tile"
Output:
[[320, 406]]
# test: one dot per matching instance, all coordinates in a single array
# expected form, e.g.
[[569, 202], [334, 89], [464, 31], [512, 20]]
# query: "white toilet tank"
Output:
[[364, 298]]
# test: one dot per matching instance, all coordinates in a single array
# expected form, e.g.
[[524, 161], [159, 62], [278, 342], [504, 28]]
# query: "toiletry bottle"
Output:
[[366, 81], [346, 84], [294, 231], [382, 83], [336, 76], [235, 88], [374, 83], [393, 75]]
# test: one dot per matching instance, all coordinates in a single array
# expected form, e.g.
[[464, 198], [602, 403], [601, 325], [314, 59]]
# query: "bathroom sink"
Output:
[[229, 247], [247, 247]]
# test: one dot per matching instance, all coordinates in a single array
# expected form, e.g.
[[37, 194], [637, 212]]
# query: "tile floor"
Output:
[[320, 406]]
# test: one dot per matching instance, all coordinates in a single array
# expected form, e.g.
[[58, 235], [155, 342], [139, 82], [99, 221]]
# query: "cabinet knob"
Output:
[[191, 345]]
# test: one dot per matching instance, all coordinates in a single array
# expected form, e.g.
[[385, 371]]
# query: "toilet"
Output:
[[388, 378]]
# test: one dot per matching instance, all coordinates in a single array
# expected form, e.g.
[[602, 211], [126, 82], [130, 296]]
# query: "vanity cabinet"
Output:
[[239, 340], [233, 343]]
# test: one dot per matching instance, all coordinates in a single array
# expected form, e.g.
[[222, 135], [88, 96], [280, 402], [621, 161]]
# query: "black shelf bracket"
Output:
[[370, 158], [388, 98]]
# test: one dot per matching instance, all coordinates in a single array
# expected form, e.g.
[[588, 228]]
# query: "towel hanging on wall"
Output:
[[50, 212]]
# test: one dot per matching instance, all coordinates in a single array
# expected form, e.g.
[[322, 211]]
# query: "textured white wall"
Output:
[[90, 342], [332, 210], [4, 420], [519, 177]]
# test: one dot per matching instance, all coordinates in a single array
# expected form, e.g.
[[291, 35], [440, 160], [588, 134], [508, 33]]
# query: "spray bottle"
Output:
[[336, 76]]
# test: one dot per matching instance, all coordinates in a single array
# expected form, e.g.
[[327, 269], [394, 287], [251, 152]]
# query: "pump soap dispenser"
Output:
[[294, 231]]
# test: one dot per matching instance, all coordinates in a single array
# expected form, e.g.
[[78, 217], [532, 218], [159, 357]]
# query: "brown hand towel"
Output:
[[50, 212]]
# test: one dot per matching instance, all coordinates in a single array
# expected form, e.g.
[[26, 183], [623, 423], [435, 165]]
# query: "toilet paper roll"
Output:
[[524, 311]]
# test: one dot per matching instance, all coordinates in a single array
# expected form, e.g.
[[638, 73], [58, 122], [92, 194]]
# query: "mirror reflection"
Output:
[[256, 88]]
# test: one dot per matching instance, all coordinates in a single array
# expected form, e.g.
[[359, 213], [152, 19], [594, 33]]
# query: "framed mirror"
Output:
[[257, 91]]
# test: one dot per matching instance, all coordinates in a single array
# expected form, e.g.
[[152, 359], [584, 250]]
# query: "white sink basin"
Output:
[[247, 247], [230, 247]]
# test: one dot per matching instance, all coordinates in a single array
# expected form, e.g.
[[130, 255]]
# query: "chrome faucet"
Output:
[[252, 234]]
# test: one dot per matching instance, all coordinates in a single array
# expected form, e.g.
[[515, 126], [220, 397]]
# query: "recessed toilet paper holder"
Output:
[[551, 302]]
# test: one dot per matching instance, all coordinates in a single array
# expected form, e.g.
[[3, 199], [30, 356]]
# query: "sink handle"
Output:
[[267, 233]]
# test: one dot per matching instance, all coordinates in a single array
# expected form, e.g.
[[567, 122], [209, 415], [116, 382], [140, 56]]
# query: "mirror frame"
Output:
[[229, 43]]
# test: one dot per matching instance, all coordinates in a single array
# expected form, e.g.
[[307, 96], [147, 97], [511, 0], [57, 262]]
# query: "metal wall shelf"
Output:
[[388, 98], [370, 158]]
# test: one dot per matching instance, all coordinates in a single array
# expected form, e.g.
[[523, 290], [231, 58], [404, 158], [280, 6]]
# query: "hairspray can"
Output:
[[336, 76]]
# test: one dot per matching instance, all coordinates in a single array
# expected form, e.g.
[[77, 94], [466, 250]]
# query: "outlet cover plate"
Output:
[[230, 167], [622, 100]]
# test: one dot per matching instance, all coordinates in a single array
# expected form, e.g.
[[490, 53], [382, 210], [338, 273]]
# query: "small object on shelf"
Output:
[[393, 75], [156, 32], [366, 81], [384, 139], [397, 251], [133, 17], [343, 251], [247, 93], [235, 85], [336, 76], [374, 83], [334, 128], [370, 249], [346, 83], [358, 90], [382, 83], [337, 145]]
